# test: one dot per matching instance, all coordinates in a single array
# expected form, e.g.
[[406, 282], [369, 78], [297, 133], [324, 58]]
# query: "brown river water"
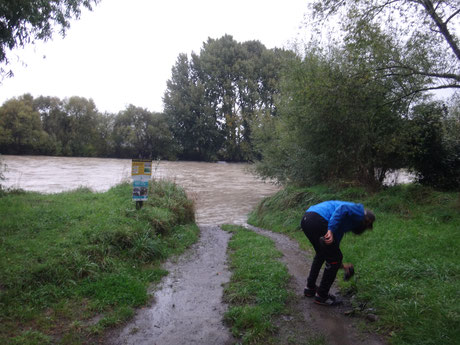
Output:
[[223, 192]]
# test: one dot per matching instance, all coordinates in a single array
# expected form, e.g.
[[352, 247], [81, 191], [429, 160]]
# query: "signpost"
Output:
[[141, 172]]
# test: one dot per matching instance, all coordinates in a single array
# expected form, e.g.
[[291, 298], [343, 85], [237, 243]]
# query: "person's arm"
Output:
[[339, 213]]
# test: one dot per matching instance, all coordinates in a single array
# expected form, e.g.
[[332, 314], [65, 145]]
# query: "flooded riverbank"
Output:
[[223, 192]]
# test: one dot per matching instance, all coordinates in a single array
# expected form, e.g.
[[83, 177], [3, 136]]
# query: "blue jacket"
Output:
[[342, 216]]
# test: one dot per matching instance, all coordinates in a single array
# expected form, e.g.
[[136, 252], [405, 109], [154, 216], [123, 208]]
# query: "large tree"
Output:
[[212, 100], [190, 115], [435, 145], [55, 122], [83, 118], [21, 131], [26, 21], [240, 80], [422, 37], [74, 125]]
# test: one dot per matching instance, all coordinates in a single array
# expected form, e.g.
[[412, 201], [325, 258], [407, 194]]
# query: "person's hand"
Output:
[[329, 237]]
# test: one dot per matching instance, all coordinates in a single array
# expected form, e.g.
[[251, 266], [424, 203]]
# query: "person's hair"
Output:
[[359, 230]]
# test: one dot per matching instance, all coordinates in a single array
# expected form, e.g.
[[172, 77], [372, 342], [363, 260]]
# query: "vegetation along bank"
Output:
[[406, 268], [75, 263]]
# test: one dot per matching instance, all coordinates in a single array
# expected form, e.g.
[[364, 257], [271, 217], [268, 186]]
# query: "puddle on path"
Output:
[[187, 308]]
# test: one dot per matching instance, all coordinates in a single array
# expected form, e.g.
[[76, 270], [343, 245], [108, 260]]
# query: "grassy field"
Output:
[[408, 267], [75, 263]]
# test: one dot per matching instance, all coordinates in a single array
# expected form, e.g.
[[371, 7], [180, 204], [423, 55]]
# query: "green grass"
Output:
[[257, 291], [69, 257], [407, 267]]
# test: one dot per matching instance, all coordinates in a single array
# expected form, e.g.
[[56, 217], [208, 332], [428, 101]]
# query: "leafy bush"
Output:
[[435, 146], [330, 127]]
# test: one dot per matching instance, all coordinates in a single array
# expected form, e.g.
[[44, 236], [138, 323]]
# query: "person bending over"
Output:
[[324, 225]]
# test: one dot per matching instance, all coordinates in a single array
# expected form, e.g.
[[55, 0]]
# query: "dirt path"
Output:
[[188, 309], [331, 322]]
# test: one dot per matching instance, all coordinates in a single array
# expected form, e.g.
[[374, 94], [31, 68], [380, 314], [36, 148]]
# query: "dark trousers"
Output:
[[314, 226]]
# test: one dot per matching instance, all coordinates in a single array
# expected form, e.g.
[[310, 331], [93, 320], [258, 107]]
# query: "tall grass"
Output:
[[407, 267], [70, 256]]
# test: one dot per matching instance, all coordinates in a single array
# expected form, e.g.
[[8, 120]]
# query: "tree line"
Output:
[[74, 127], [349, 109], [210, 106]]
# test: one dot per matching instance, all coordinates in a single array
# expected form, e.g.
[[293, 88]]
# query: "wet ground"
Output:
[[329, 322], [188, 308]]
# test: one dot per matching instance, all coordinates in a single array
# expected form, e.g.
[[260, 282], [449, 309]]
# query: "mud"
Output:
[[187, 308], [330, 322]]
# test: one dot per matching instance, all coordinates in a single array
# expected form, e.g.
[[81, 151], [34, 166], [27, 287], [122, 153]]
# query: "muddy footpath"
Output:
[[187, 306]]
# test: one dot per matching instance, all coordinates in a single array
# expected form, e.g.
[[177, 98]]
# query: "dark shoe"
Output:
[[330, 300], [309, 292]]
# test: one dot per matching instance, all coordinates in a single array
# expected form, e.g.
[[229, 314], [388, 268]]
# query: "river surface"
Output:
[[223, 192]]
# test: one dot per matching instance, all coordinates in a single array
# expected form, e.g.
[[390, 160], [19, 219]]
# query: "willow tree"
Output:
[[423, 37], [331, 125]]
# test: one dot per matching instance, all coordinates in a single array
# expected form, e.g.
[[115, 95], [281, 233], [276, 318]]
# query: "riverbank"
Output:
[[222, 192], [407, 267], [75, 263]]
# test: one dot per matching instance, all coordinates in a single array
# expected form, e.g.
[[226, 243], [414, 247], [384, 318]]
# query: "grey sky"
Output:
[[122, 52]]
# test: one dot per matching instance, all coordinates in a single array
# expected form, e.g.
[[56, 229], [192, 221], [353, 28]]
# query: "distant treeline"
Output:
[[325, 115], [211, 103], [74, 127]]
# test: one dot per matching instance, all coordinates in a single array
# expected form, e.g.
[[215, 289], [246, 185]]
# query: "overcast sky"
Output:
[[122, 52]]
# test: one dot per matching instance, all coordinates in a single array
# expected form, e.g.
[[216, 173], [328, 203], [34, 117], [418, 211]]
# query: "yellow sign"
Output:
[[141, 171], [141, 167]]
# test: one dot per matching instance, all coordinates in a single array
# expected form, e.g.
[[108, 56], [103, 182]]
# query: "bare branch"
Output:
[[417, 72], [413, 92], [374, 11], [428, 4], [452, 16]]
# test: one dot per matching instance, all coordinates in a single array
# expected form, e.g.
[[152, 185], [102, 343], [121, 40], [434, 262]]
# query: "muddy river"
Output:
[[223, 192]]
